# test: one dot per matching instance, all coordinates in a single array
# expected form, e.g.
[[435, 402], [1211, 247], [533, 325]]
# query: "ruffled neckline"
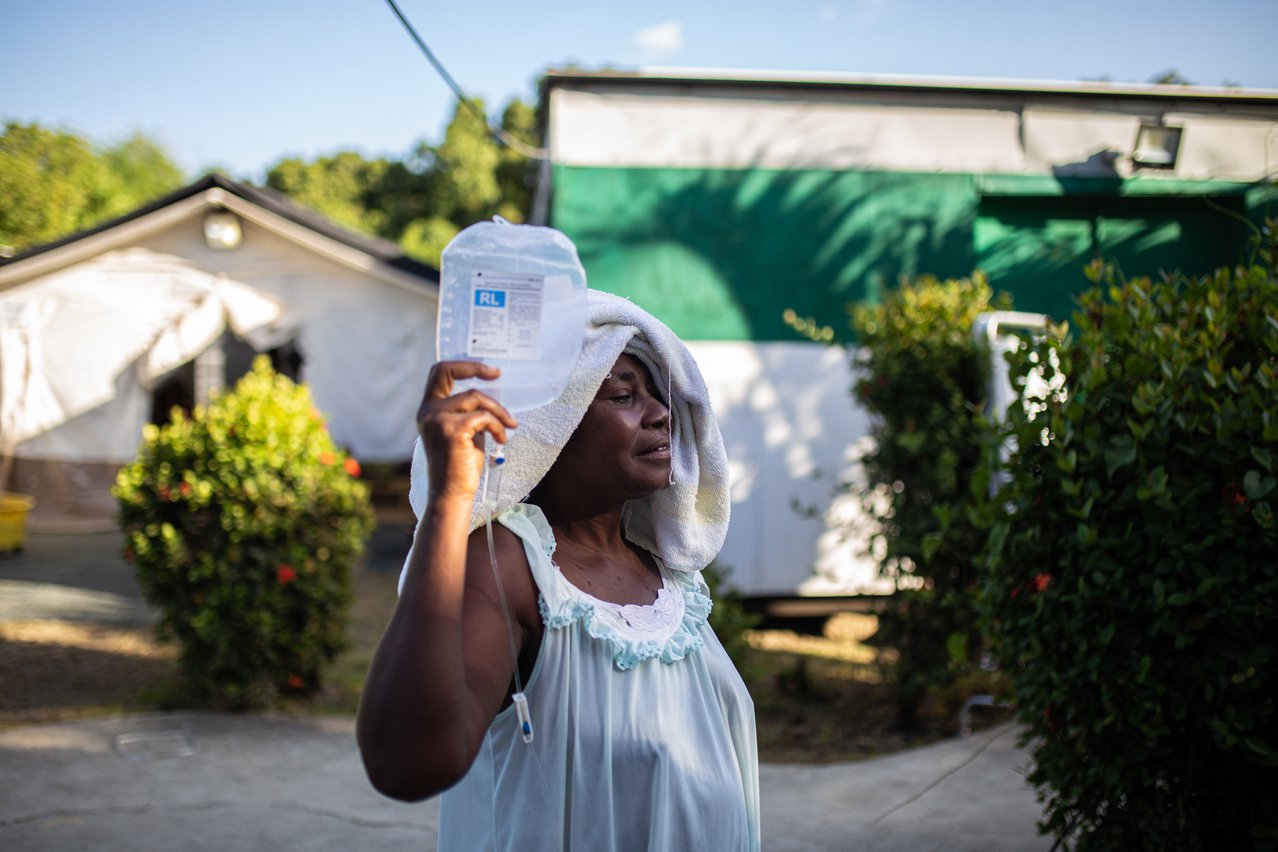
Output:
[[667, 630]]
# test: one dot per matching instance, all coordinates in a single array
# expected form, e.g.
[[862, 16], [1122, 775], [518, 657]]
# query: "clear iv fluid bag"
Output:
[[513, 296]]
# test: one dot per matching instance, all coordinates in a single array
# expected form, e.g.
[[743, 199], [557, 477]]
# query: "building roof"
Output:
[[268, 200], [742, 78]]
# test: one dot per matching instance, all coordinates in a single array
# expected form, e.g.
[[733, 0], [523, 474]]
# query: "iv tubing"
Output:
[[495, 455]]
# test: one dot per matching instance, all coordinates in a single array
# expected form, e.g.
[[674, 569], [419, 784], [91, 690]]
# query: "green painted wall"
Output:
[[719, 254], [1036, 247]]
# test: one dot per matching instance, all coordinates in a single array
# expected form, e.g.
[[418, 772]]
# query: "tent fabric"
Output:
[[366, 353], [227, 304], [82, 349], [68, 343], [107, 434]]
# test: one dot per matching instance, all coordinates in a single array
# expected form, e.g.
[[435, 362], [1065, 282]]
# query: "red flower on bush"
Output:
[[352, 466], [295, 682], [164, 493], [1041, 582], [185, 488], [285, 574], [326, 457]]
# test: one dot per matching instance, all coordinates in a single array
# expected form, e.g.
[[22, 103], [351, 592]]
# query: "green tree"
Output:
[[471, 177], [465, 165], [140, 171], [54, 182], [50, 181], [1170, 77], [517, 172], [345, 188], [423, 200], [425, 238]]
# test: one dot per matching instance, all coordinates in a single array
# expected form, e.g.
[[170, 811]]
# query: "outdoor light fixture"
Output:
[[1157, 146], [221, 230]]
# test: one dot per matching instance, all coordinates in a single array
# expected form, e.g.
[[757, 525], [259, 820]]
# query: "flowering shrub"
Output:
[[243, 521], [1132, 594], [924, 378]]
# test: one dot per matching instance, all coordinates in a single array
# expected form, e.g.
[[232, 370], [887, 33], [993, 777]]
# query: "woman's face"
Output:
[[622, 446]]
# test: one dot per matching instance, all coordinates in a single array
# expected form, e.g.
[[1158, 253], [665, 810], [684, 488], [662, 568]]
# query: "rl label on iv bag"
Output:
[[505, 316], [513, 296]]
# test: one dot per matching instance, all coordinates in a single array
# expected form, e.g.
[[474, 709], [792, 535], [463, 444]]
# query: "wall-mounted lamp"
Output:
[[222, 230], [1157, 146]]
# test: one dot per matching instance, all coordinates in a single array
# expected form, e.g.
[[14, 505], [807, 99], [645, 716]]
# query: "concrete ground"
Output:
[[204, 781], [216, 782]]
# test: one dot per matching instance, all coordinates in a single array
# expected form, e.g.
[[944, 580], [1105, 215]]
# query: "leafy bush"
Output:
[[923, 377], [243, 520], [1133, 590]]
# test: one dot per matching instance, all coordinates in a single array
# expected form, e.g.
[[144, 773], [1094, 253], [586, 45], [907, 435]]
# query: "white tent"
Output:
[[99, 337], [91, 327]]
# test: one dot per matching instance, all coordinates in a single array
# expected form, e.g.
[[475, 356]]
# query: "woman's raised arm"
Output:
[[443, 666]]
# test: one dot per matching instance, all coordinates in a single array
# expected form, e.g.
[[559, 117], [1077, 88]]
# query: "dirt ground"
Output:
[[817, 698], [56, 671]]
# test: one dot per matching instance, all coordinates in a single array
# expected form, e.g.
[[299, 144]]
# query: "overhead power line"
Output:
[[498, 133]]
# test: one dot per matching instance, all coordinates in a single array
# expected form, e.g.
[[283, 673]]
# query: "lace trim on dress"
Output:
[[638, 622], [668, 629]]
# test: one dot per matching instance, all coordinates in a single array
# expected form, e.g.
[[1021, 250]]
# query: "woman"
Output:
[[643, 731]]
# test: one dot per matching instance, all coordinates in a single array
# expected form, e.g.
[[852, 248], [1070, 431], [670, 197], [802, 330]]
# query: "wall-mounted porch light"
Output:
[[222, 230], [1157, 146]]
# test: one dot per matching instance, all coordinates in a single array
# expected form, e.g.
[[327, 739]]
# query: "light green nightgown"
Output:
[[644, 732]]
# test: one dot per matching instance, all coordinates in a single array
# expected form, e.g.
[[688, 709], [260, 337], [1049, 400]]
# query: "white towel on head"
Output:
[[684, 524]]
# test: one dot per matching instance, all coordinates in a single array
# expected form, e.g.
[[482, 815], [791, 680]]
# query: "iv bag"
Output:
[[513, 296]]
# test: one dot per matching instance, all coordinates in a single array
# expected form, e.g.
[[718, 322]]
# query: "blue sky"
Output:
[[242, 83]]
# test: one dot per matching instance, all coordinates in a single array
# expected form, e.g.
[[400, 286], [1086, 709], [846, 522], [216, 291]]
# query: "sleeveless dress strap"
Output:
[[679, 616]]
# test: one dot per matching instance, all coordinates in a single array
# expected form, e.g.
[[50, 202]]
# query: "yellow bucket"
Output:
[[13, 519]]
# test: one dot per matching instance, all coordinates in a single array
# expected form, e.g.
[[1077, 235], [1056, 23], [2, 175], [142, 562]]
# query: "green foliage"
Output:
[[1132, 593], [422, 202], [729, 617], [56, 183], [516, 174], [345, 188], [1170, 77], [923, 377], [425, 239], [243, 521], [51, 182], [466, 161], [140, 171]]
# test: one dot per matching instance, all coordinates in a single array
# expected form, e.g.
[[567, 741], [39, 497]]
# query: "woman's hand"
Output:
[[442, 668], [452, 428]]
